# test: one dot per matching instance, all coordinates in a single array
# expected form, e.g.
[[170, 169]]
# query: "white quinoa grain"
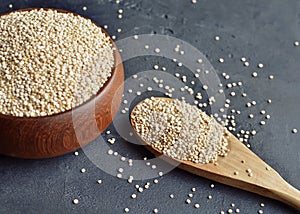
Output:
[[197, 206], [155, 210], [294, 131], [263, 112], [205, 87], [75, 201], [187, 201], [126, 210], [296, 43], [157, 50]]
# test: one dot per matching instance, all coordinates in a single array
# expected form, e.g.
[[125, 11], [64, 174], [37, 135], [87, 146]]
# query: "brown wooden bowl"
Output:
[[50, 136]]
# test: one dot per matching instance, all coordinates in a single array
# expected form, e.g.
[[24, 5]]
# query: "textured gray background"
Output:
[[263, 31]]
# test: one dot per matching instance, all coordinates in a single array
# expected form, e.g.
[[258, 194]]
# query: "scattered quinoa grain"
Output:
[[260, 65], [187, 201], [75, 201]]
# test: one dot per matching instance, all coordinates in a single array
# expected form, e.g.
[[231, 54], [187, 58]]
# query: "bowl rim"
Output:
[[92, 98]]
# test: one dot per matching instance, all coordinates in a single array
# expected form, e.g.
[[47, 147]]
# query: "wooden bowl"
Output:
[[50, 136]]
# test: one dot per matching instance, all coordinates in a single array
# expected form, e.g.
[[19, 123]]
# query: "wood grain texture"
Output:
[[265, 181], [55, 135]]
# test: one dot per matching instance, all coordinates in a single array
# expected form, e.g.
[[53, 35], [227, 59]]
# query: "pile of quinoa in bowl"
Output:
[[50, 62]]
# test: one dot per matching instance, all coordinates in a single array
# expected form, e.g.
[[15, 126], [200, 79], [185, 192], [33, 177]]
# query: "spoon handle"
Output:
[[288, 194], [245, 170]]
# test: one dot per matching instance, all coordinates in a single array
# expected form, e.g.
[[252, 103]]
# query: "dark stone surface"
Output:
[[262, 31]]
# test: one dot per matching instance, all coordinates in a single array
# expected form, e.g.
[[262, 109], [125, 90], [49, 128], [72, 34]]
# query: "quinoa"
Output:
[[180, 130], [50, 62]]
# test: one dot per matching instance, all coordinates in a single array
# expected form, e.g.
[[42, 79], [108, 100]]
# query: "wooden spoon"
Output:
[[233, 170]]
